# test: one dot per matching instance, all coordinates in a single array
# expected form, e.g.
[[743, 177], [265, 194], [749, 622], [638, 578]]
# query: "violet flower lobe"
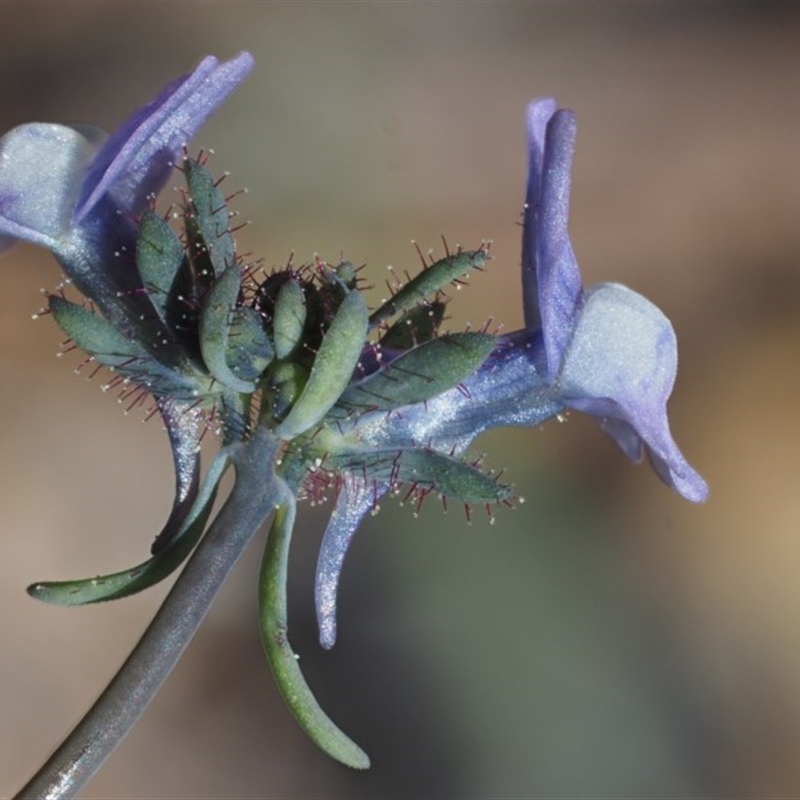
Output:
[[606, 351]]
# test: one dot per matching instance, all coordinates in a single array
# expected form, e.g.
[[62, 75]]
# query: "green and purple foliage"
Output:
[[314, 394]]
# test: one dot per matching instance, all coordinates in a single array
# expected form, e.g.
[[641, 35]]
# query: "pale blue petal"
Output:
[[621, 366], [42, 167]]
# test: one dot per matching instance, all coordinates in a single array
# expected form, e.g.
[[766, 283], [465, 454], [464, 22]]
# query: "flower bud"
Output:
[[333, 366], [290, 318]]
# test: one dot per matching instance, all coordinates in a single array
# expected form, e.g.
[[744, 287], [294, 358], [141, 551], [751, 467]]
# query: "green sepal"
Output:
[[337, 283], [333, 367], [167, 277], [171, 285], [421, 373], [159, 256], [429, 282], [416, 326], [216, 320], [249, 351], [208, 233], [424, 469], [289, 319], [94, 334], [130, 581], [110, 347]]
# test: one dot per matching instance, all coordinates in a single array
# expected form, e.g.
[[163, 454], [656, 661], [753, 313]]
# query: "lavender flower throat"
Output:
[[311, 390]]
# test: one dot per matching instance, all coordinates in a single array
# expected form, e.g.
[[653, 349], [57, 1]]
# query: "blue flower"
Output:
[[606, 351], [79, 193]]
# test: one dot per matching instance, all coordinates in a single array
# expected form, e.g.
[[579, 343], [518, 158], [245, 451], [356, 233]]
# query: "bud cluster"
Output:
[[297, 351]]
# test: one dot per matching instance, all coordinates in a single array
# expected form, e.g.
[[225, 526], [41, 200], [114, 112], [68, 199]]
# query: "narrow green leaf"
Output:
[[431, 280], [130, 581], [159, 255], [108, 346], [427, 469], [333, 367], [416, 326], [94, 334], [208, 218], [282, 660], [422, 372]]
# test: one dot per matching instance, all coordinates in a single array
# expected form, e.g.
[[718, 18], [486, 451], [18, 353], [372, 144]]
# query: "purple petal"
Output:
[[355, 499], [42, 167], [664, 455], [136, 161], [621, 366], [559, 277], [539, 113]]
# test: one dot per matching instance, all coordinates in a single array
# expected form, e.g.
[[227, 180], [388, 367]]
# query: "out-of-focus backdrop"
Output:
[[605, 639]]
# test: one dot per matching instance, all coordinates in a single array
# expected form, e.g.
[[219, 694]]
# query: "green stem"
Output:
[[134, 686], [282, 660]]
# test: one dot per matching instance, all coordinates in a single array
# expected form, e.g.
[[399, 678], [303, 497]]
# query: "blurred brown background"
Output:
[[607, 638]]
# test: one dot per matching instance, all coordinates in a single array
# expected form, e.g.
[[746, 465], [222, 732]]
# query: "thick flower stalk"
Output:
[[313, 394]]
